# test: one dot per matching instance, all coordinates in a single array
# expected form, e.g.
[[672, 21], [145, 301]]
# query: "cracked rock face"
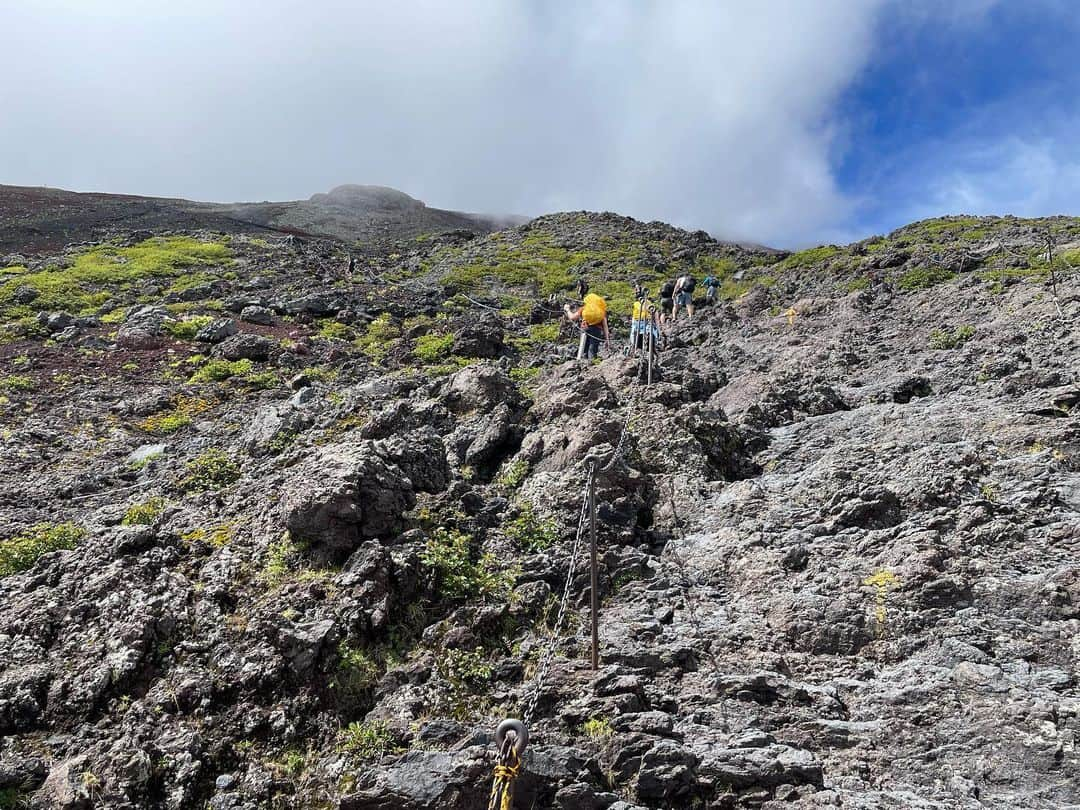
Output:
[[837, 550]]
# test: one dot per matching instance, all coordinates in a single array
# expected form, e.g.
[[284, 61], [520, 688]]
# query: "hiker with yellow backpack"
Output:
[[592, 318], [643, 319]]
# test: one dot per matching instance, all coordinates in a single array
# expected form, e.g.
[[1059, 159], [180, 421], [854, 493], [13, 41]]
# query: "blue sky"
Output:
[[785, 122], [977, 113]]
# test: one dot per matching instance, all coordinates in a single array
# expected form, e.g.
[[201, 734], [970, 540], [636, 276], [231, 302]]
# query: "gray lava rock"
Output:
[[245, 346], [217, 330], [25, 294], [257, 314], [143, 328], [344, 494]]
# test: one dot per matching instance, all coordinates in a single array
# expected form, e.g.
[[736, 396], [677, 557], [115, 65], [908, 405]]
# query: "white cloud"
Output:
[[712, 115]]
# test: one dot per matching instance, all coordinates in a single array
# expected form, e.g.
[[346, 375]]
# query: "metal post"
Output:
[[595, 576]]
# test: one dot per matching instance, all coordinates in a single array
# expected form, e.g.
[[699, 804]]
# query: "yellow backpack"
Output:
[[595, 309]]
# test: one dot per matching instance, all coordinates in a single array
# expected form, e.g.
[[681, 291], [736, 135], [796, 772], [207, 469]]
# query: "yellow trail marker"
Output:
[[791, 313]]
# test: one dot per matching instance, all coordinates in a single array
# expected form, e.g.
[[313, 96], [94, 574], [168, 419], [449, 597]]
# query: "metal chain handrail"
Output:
[[548, 655]]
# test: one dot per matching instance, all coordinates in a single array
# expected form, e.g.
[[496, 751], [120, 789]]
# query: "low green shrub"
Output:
[[183, 411], [513, 474], [145, 513], [187, 328], [20, 552], [380, 335], [922, 278], [221, 370], [16, 382], [335, 330], [211, 469], [942, 339], [367, 741], [449, 554], [433, 347], [95, 274], [809, 257], [530, 532]]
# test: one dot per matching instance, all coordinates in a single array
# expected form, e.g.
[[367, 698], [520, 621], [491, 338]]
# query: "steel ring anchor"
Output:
[[520, 741]]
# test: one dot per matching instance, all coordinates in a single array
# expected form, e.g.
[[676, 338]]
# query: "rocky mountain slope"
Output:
[[367, 217], [277, 535]]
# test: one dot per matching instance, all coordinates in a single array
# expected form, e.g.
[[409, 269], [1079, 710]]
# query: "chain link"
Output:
[[548, 655], [620, 446]]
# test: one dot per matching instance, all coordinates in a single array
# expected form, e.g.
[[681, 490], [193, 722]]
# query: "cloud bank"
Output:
[[709, 115]]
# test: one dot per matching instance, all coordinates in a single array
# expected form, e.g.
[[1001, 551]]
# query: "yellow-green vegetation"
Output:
[[465, 670], [367, 741], [358, 672], [187, 328], [513, 474], [281, 558], [922, 278], [20, 552], [262, 380], [211, 469], [290, 765], [453, 363], [380, 334], [97, 274], [114, 317], [335, 330], [183, 410], [968, 228], [216, 536], [538, 335], [530, 532], [221, 370], [943, 339], [449, 554], [860, 283], [598, 729], [882, 581], [16, 382], [144, 513], [810, 257], [540, 264], [433, 347]]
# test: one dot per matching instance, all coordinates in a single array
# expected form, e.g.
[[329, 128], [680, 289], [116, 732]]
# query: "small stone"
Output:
[[225, 781]]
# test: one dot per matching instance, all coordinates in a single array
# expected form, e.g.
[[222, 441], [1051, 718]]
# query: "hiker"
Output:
[[684, 296], [592, 317], [642, 320], [582, 288], [667, 296], [712, 285]]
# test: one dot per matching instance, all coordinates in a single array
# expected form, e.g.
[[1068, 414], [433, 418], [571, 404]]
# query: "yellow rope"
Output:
[[502, 789]]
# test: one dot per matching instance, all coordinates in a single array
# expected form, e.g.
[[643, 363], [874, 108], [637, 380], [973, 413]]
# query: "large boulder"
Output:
[[421, 455], [344, 494], [245, 346], [316, 304], [257, 314], [482, 338], [144, 328], [480, 388]]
